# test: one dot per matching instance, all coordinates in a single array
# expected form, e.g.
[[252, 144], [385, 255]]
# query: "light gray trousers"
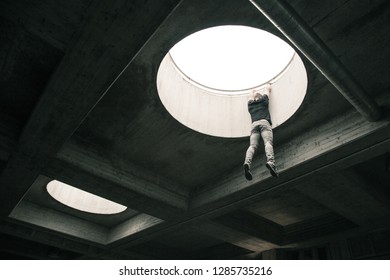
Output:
[[260, 128]]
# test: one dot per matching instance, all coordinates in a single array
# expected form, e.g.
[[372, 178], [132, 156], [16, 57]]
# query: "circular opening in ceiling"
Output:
[[82, 200], [203, 88], [231, 58]]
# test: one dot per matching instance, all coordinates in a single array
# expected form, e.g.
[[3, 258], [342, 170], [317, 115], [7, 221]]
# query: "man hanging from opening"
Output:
[[261, 126]]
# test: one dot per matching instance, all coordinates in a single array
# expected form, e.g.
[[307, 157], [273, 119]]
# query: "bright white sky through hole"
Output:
[[231, 57]]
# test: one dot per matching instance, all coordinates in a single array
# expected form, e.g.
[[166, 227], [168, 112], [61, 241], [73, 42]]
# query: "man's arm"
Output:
[[268, 90], [251, 96]]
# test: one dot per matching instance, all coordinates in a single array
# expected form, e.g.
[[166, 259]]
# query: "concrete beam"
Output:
[[23, 248], [235, 237], [65, 224], [342, 142], [252, 225], [339, 235], [53, 240], [319, 227], [111, 36], [35, 234], [254, 229], [289, 22], [123, 176], [103, 187], [134, 225], [318, 240], [347, 194]]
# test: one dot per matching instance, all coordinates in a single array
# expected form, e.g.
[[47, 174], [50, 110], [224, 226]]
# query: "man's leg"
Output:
[[267, 135], [254, 143]]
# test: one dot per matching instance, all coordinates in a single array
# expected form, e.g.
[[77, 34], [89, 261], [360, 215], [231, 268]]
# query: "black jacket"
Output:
[[259, 109]]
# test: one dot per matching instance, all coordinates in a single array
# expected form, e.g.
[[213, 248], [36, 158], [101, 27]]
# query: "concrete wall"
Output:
[[219, 113]]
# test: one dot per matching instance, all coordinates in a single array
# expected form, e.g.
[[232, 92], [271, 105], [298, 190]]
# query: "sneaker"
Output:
[[272, 169], [248, 174]]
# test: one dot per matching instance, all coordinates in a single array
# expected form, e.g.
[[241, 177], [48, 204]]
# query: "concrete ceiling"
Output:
[[79, 104]]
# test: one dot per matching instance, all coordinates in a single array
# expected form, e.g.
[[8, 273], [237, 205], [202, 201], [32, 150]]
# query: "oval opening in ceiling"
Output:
[[82, 200], [220, 109], [231, 57]]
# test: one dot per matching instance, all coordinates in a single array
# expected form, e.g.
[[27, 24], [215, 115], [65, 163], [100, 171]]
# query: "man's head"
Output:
[[257, 94]]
